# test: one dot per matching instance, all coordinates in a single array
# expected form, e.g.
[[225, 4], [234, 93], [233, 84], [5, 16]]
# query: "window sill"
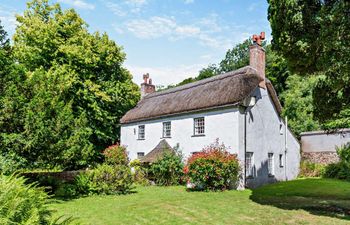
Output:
[[164, 137], [140, 139], [198, 135]]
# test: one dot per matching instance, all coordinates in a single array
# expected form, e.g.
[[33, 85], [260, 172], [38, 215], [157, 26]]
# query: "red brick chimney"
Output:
[[257, 57], [147, 87]]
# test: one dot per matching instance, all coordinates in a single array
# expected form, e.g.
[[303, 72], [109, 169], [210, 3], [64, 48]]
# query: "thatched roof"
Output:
[[221, 90], [158, 152]]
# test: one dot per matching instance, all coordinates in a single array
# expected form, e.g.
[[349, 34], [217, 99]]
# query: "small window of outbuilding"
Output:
[[249, 164], [140, 155], [281, 160]]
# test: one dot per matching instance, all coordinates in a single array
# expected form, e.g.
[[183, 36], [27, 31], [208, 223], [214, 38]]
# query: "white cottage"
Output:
[[240, 108]]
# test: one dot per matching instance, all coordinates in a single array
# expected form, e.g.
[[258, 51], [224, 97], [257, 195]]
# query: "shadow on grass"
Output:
[[324, 197]]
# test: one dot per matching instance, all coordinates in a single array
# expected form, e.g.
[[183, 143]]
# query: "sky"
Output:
[[169, 39]]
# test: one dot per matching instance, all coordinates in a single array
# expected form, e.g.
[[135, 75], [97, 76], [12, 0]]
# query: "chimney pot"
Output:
[[147, 87], [257, 57]]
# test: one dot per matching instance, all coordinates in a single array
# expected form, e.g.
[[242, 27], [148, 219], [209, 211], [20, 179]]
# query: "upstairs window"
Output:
[[270, 164], [141, 133], [199, 126], [249, 164], [166, 129]]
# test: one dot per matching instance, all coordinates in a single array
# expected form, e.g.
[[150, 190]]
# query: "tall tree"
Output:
[[76, 86], [314, 36]]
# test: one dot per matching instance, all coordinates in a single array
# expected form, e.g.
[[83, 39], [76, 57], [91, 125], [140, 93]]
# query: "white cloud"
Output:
[[189, 1], [165, 75], [116, 9], [8, 20], [78, 4]]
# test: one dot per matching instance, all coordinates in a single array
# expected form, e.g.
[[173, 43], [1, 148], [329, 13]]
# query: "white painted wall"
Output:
[[264, 136], [222, 124]]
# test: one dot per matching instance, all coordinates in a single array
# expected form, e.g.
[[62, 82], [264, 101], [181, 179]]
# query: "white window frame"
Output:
[[249, 164], [140, 155], [141, 132], [281, 161], [270, 164], [167, 129], [199, 126]]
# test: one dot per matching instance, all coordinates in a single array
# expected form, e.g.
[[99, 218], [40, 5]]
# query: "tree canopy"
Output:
[[313, 36], [71, 93]]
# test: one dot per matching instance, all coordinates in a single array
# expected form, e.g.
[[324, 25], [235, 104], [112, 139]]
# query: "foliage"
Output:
[[139, 172], [111, 179], [66, 92], [340, 170], [313, 37], [116, 155], [10, 163], [24, 204], [298, 103], [214, 168], [310, 169], [167, 170]]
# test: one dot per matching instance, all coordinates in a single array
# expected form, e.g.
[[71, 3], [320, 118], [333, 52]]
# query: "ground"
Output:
[[303, 201]]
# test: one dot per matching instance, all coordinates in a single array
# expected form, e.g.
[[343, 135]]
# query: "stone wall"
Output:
[[320, 157]]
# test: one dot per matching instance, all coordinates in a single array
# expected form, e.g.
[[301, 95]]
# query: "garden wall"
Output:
[[320, 146]]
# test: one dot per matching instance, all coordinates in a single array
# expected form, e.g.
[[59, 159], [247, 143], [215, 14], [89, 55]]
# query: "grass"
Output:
[[303, 201]]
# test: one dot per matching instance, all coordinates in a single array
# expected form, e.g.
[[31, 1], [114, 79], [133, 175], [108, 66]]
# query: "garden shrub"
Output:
[[116, 155], [11, 162], [214, 168], [139, 172], [340, 170], [167, 170], [81, 186], [310, 169], [21, 203], [111, 179]]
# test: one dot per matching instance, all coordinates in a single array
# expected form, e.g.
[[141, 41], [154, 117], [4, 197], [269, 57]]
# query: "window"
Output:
[[166, 129], [270, 164], [249, 164], [140, 155], [141, 132], [281, 160], [199, 126], [281, 129]]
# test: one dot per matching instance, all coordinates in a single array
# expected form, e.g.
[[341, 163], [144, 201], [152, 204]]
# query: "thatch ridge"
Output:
[[224, 89]]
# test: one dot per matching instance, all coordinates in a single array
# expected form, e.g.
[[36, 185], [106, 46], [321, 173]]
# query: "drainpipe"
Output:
[[285, 148], [245, 146]]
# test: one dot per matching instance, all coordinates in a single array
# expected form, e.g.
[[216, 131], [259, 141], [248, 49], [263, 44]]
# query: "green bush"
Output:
[[23, 204], [340, 170], [111, 179], [139, 173], [10, 163], [167, 170], [116, 155], [309, 169], [214, 168]]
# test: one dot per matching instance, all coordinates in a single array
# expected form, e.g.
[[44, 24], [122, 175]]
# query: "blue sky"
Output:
[[170, 39]]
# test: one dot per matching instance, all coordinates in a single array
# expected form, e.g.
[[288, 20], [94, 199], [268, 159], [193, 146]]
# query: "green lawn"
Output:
[[304, 201]]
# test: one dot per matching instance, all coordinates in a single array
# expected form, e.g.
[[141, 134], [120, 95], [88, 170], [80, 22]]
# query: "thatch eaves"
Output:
[[222, 90]]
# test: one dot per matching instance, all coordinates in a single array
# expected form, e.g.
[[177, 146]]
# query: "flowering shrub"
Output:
[[116, 155], [214, 168]]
